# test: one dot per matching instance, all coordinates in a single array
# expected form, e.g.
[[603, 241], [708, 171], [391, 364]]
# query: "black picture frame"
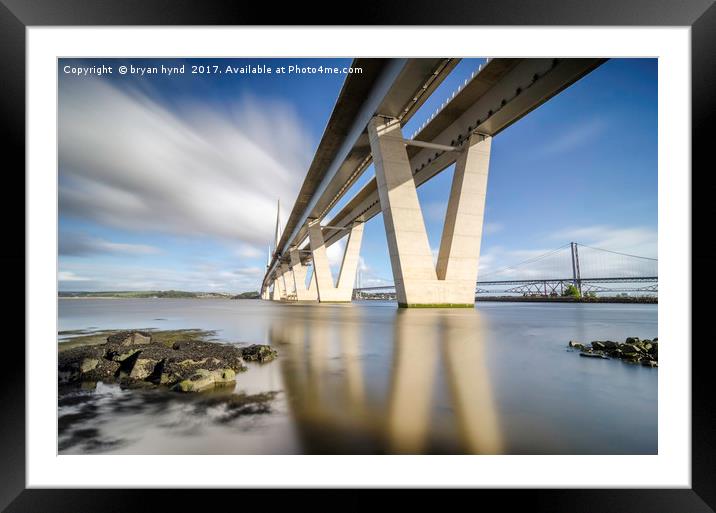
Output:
[[17, 15]]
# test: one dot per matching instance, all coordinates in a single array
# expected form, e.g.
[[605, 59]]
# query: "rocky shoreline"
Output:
[[632, 350], [183, 361]]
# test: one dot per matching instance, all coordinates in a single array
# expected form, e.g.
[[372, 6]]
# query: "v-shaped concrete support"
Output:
[[303, 292], [328, 290], [417, 280]]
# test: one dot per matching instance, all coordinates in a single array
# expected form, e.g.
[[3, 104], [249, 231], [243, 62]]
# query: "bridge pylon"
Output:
[[418, 282], [299, 271], [327, 289]]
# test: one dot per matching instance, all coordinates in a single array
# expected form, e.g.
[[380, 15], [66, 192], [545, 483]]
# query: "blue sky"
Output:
[[170, 182]]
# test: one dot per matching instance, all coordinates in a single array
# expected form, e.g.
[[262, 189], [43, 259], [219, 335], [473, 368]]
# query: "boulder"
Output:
[[129, 338], [576, 345], [120, 354], [598, 346], [608, 344], [88, 364], [142, 368], [105, 370], [204, 379], [649, 363], [225, 376], [632, 340], [630, 349], [259, 353], [594, 355]]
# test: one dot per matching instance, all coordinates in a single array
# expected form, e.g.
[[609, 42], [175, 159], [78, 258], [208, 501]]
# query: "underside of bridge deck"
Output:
[[460, 133]]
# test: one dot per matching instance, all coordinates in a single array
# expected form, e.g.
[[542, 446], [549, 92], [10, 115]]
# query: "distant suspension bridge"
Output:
[[589, 269]]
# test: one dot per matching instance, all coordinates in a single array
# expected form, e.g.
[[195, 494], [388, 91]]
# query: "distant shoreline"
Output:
[[148, 297], [648, 300], [154, 294]]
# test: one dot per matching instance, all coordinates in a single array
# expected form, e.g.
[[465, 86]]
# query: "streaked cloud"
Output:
[[75, 244], [99, 276], [604, 254], [638, 240], [65, 276], [129, 162]]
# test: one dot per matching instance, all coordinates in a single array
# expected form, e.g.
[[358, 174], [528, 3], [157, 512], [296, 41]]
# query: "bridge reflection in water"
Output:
[[432, 394]]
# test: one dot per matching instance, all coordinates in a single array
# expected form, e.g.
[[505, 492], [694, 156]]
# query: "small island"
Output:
[[632, 350]]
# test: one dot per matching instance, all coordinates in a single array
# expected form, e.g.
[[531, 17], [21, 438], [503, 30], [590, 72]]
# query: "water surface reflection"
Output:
[[322, 365], [370, 378]]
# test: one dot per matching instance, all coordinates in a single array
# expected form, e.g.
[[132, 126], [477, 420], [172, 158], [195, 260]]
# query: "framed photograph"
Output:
[[420, 251]]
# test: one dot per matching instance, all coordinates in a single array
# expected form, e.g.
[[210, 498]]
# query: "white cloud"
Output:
[[552, 263], [75, 244], [129, 162], [70, 276], [102, 277], [641, 241], [247, 251]]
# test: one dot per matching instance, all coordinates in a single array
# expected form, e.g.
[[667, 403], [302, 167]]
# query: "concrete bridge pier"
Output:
[[328, 290], [418, 282], [303, 292], [285, 282], [277, 292]]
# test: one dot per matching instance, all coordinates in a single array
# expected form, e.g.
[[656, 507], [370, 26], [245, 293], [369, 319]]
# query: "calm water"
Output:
[[369, 378]]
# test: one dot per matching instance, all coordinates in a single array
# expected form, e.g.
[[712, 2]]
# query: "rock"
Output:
[[143, 368], [105, 370], [634, 351], [129, 338], [204, 379], [594, 355], [136, 361], [82, 364], [119, 355], [630, 349], [224, 376], [88, 364], [655, 339], [259, 353]]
